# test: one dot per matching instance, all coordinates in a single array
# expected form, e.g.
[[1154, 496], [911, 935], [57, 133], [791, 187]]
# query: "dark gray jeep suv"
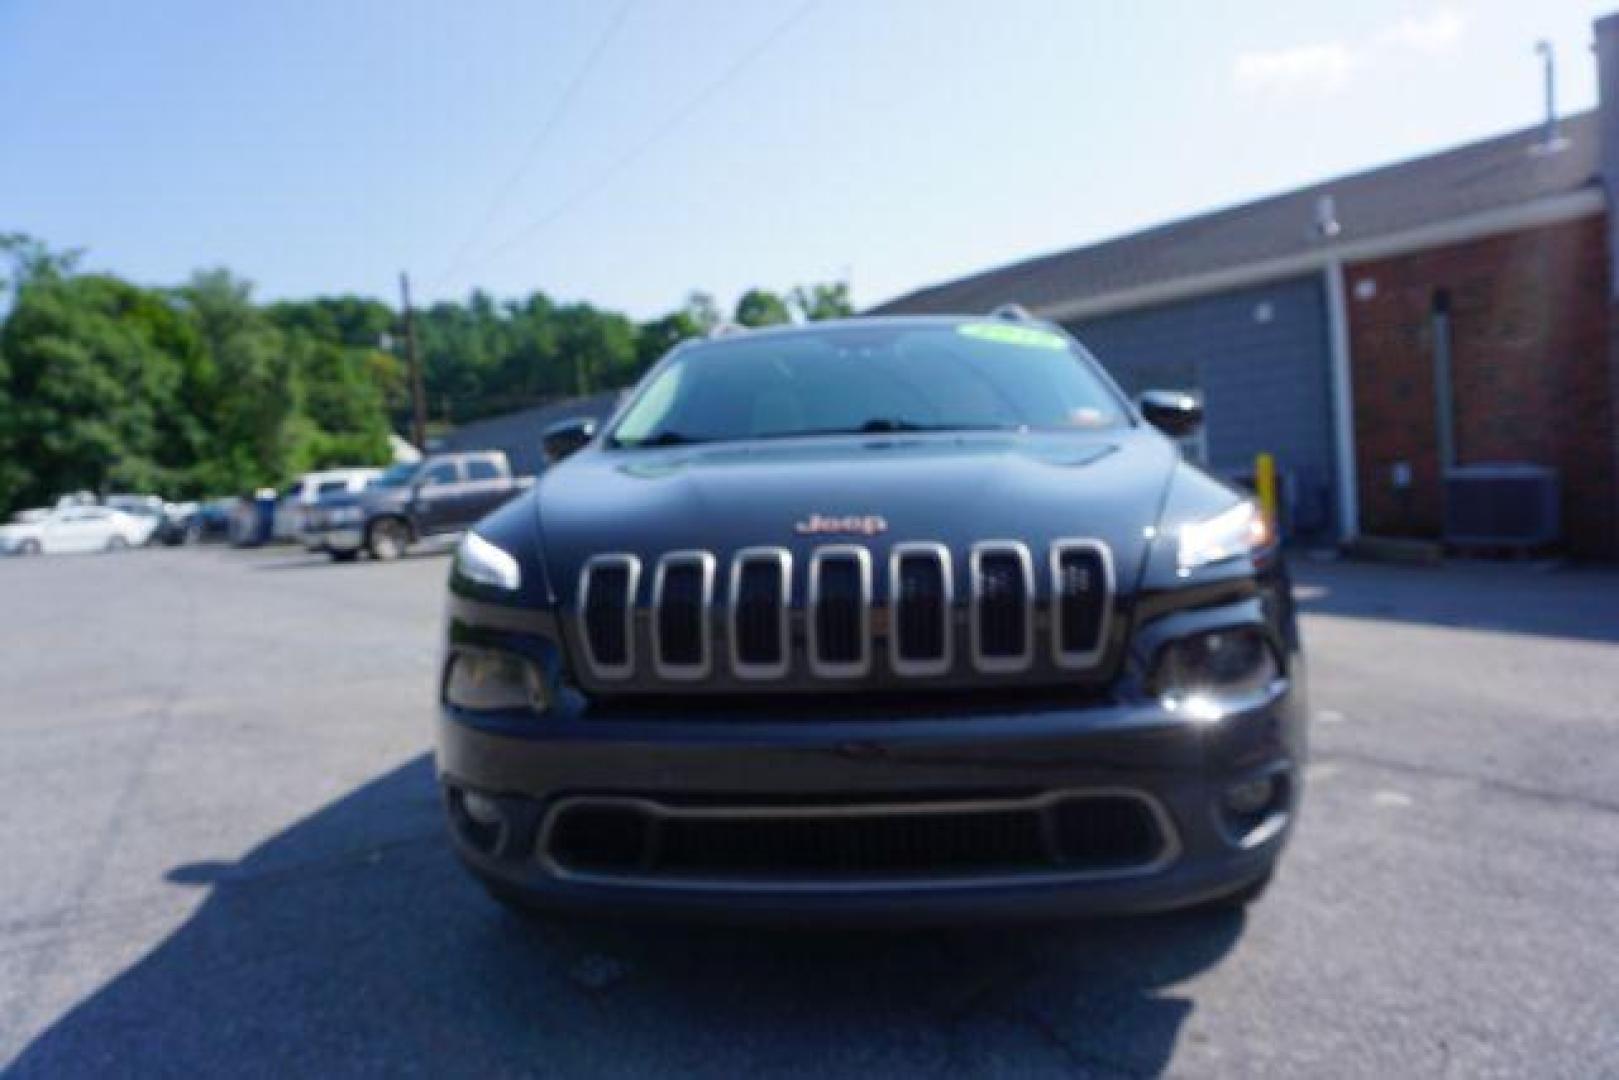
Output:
[[899, 619]]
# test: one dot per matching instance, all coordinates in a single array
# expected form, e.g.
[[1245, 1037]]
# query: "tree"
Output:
[[96, 380], [32, 260], [198, 389], [702, 311], [658, 336], [814, 302], [759, 307], [597, 347], [255, 400]]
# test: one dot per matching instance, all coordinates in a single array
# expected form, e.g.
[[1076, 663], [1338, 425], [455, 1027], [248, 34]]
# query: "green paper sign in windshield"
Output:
[[1029, 337]]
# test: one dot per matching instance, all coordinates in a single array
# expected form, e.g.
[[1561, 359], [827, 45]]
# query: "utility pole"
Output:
[[418, 397]]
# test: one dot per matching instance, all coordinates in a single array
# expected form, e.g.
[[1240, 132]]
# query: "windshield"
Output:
[[397, 475], [851, 379]]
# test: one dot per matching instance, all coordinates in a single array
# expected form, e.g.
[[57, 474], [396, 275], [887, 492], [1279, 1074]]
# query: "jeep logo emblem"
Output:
[[858, 524]]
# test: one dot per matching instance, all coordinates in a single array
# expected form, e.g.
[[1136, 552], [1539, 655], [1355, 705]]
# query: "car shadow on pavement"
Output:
[[352, 943], [1577, 603], [326, 562]]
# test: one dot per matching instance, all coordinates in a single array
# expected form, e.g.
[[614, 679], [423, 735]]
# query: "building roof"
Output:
[[1477, 178], [518, 433]]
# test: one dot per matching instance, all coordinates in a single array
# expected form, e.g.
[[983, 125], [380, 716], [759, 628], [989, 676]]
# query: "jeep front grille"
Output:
[[765, 620]]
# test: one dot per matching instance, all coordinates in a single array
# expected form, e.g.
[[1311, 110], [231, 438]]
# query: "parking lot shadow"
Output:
[[1576, 603], [351, 943]]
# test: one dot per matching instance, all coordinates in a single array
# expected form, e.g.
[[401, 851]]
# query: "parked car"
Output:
[[884, 619], [307, 490], [149, 508], [440, 495], [74, 529], [178, 525], [212, 521]]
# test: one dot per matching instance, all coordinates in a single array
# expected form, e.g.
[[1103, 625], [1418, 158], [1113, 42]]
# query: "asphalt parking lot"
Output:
[[221, 853]]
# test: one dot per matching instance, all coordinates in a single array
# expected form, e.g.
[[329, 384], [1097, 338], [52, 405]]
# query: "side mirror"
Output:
[[565, 437], [1172, 412]]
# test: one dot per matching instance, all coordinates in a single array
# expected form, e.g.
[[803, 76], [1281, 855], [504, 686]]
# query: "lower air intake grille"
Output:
[[1050, 834]]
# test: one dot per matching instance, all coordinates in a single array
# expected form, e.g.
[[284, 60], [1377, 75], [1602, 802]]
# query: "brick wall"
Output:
[[1530, 370]]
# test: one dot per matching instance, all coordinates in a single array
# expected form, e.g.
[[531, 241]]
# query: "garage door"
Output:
[[1259, 358]]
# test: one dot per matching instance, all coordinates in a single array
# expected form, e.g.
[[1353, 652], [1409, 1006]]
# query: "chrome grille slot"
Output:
[[607, 590], [1002, 606], [839, 612], [682, 594], [761, 599], [1081, 598], [921, 603]]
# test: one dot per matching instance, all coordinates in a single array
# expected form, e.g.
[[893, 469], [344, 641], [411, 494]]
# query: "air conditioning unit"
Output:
[[1505, 505]]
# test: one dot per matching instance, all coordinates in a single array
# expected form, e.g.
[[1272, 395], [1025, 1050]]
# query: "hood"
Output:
[[955, 489]]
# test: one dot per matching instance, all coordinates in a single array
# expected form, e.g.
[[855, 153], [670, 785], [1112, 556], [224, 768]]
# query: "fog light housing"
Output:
[[1247, 797], [1204, 670], [491, 680], [482, 809]]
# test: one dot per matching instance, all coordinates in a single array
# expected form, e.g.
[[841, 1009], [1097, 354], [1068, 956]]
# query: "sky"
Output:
[[626, 152]]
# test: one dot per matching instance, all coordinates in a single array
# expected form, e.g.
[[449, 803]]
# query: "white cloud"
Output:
[[1432, 33], [1319, 68], [1325, 67]]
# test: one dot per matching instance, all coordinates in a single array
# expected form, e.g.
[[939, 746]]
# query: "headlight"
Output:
[[480, 561], [1240, 530], [489, 680], [1199, 672]]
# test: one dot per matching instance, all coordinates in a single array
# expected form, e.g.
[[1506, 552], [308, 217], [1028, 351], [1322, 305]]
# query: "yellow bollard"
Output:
[[1265, 488]]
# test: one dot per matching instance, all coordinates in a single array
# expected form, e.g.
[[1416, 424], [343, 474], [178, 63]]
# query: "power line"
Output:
[[660, 133], [542, 136]]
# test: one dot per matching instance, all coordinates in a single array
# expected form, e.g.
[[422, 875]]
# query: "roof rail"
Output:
[[726, 329], [1012, 313]]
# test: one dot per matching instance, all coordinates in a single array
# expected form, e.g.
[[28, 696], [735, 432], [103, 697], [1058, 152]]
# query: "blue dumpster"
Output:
[[253, 520]]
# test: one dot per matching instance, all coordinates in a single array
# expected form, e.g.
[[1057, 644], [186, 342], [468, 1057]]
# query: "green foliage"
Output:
[[760, 307], [96, 372], [702, 311], [660, 335], [198, 390], [815, 302]]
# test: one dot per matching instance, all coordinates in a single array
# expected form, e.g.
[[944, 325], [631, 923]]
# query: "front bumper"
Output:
[[1179, 765]]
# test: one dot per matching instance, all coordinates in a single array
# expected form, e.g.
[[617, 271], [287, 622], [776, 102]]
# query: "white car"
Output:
[[75, 528]]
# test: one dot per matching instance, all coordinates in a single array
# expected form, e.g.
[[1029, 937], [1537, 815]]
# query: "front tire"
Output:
[[29, 547], [116, 543], [387, 539]]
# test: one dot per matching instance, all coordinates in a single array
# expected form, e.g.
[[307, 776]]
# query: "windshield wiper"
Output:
[[663, 438], [889, 423]]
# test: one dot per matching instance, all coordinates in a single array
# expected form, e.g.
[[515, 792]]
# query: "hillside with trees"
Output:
[[197, 389]]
